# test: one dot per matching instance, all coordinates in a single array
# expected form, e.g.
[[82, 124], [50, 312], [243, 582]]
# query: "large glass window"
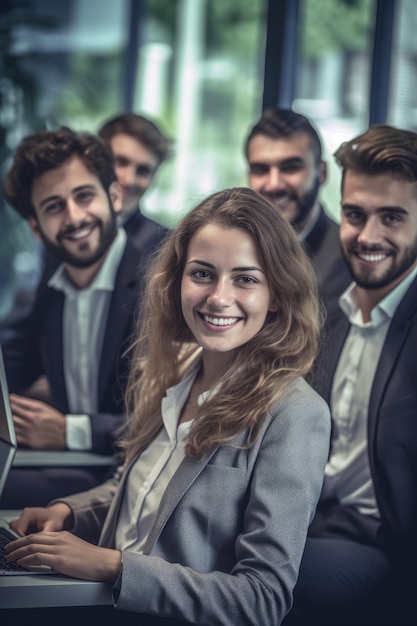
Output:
[[333, 82], [402, 110], [60, 63], [199, 76], [200, 71]]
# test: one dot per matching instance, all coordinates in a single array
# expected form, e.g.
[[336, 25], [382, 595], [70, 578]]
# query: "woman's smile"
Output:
[[225, 296], [219, 322]]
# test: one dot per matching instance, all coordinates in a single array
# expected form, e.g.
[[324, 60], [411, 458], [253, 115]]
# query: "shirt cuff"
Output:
[[78, 432]]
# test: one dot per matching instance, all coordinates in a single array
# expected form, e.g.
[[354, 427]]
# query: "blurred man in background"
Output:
[[139, 148], [284, 155]]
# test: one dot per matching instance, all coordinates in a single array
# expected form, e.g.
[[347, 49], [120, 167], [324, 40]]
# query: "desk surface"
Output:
[[28, 592], [49, 590], [62, 458]]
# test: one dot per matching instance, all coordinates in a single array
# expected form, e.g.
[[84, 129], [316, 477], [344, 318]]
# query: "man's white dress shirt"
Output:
[[348, 474], [84, 322]]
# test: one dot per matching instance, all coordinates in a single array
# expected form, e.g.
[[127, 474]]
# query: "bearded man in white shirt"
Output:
[[359, 562], [76, 334]]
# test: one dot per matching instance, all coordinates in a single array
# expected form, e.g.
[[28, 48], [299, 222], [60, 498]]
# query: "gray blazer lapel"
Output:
[[179, 484], [182, 480]]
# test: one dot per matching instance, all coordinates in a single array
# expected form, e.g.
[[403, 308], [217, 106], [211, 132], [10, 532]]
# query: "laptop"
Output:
[[8, 445]]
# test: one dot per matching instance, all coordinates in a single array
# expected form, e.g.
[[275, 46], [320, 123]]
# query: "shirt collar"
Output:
[[177, 396], [385, 309], [312, 221], [105, 277]]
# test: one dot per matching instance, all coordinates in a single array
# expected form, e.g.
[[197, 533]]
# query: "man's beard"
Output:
[[396, 270], [61, 253], [306, 204]]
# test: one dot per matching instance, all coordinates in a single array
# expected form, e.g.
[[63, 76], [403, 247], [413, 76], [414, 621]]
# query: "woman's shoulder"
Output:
[[300, 401], [299, 386], [299, 422]]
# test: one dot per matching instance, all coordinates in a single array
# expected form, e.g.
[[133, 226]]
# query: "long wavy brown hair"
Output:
[[282, 350]]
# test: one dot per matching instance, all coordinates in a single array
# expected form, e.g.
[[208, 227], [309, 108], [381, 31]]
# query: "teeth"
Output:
[[80, 234], [220, 321], [372, 258]]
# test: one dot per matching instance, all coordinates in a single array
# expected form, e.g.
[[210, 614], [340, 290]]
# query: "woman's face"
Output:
[[225, 295]]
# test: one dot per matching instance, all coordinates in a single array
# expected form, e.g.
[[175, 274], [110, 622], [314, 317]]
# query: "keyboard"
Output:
[[5, 538]]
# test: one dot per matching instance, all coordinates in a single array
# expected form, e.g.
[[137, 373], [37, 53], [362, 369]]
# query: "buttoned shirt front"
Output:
[[347, 474], [155, 466], [84, 322]]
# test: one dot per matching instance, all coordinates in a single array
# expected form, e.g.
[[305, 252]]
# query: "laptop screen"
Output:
[[7, 433]]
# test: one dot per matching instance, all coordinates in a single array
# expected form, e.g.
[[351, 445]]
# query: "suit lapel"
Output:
[[120, 315], [53, 312], [397, 334], [337, 328], [184, 477], [317, 233], [179, 484]]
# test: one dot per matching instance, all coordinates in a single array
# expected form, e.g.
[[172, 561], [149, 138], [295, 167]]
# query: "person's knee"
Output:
[[341, 581]]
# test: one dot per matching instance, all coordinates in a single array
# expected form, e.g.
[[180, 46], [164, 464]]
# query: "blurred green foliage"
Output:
[[230, 24], [93, 89], [335, 24]]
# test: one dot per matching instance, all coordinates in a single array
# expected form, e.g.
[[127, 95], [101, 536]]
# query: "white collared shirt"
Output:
[[347, 474], [84, 322], [152, 471]]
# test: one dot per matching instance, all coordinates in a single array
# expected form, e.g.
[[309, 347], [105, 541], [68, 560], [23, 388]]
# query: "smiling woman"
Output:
[[225, 444], [224, 292]]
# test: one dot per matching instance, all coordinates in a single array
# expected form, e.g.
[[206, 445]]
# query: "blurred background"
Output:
[[203, 70]]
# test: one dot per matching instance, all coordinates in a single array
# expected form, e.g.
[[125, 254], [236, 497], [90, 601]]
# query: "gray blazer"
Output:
[[227, 541]]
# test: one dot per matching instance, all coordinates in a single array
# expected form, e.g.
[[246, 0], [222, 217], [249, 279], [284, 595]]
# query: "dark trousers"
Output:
[[346, 576], [82, 616], [36, 486]]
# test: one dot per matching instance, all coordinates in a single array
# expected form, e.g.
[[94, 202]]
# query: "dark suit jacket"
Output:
[[146, 234], [323, 246], [36, 349], [392, 424]]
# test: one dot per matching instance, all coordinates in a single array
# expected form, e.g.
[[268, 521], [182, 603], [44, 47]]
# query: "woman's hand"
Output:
[[67, 554], [55, 517]]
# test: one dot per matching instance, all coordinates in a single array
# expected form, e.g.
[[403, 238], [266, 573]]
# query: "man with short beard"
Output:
[[284, 155], [359, 562], [80, 325]]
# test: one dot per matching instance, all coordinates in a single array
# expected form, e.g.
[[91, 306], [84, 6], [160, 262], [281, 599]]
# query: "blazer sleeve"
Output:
[[90, 507], [22, 359], [280, 497]]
